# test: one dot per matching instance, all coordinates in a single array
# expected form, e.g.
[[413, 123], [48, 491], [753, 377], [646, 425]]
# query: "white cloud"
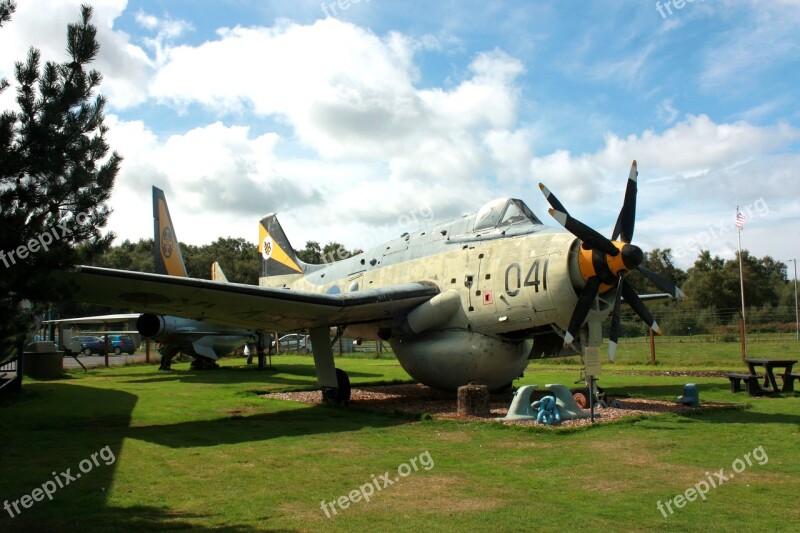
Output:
[[691, 177], [124, 66], [766, 37]]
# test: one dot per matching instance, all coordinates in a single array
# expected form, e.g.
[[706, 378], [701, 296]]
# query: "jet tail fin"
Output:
[[166, 250], [278, 258], [217, 274]]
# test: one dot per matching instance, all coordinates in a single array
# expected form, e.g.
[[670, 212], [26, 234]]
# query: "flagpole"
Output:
[[741, 284], [796, 314]]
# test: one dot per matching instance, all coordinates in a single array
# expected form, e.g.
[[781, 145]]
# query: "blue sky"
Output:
[[355, 121]]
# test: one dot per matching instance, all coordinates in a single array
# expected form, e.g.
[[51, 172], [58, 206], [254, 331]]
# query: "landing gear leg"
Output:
[[167, 353], [334, 381], [262, 354]]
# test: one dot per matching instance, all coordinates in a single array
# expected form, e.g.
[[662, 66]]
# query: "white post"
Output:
[[741, 283]]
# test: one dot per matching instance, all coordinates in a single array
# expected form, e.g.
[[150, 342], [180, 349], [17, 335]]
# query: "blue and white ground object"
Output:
[[521, 404]]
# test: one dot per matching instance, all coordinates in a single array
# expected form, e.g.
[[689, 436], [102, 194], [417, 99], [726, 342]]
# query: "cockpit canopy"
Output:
[[503, 212]]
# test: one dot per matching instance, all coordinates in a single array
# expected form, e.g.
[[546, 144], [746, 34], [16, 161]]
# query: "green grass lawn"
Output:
[[203, 450]]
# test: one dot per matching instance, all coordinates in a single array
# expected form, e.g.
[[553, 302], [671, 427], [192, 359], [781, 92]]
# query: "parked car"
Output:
[[88, 345], [294, 343], [121, 343]]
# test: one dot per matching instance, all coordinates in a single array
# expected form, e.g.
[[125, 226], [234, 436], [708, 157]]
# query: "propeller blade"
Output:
[[592, 239], [613, 335], [632, 299], [627, 215], [551, 199], [587, 296], [663, 284]]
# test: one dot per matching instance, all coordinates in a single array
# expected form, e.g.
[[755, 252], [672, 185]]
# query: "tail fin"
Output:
[[217, 274], [166, 250], [277, 255]]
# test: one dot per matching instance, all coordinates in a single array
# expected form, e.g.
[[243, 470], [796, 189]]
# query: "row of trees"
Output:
[[713, 282], [713, 292], [237, 257]]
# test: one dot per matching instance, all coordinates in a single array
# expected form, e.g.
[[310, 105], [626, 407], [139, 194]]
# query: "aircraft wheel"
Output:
[[581, 397], [340, 395]]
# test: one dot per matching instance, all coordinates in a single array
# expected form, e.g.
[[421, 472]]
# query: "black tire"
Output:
[[581, 397], [117, 351], [340, 395], [87, 352]]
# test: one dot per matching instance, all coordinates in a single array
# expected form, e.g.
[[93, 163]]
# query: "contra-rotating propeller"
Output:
[[604, 263]]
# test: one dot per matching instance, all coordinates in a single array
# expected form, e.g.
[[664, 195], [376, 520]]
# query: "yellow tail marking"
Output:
[[168, 245], [269, 249]]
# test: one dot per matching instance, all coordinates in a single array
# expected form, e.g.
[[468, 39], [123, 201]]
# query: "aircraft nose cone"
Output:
[[632, 256]]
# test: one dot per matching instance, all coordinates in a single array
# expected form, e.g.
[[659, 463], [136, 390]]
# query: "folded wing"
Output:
[[261, 308]]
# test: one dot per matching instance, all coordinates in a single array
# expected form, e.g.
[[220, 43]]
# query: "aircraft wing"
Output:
[[263, 308], [101, 319]]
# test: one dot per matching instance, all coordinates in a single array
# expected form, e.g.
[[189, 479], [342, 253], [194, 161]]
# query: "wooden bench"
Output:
[[788, 383], [750, 382]]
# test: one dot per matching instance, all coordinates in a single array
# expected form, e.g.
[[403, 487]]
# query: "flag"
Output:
[[739, 219]]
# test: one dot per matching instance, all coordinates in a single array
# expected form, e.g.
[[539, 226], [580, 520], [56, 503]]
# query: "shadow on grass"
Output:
[[237, 429], [235, 375], [52, 428]]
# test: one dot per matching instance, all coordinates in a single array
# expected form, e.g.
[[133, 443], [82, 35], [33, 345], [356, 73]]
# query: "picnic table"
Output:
[[769, 375]]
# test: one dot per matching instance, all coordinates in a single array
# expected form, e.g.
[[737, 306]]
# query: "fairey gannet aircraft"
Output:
[[458, 302]]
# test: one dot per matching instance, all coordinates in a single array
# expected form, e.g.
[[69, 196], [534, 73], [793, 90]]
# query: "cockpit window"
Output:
[[490, 214], [512, 215], [504, 212]]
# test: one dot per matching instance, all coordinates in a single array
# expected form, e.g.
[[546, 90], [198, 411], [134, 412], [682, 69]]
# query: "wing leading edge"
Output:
[[233, 304]]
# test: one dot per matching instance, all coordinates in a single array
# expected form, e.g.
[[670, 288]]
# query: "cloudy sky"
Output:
[[356, 121]]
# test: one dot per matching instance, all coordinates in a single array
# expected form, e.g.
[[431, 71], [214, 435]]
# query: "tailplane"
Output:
[[166, 250], [278, 258], [217, 274]]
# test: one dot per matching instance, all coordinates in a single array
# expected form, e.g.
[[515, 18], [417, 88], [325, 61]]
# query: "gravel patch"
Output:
[[416, 399]]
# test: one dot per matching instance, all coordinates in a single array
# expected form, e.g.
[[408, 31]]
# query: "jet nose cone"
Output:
[[632, 256]]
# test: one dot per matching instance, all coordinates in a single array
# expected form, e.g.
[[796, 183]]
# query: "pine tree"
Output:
[[56, 174]]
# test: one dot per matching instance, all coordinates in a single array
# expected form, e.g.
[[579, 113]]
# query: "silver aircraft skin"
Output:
[[468, 300]]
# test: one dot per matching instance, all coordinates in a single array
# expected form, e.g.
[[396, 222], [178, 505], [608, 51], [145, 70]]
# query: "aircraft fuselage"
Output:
[[499, 287]]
